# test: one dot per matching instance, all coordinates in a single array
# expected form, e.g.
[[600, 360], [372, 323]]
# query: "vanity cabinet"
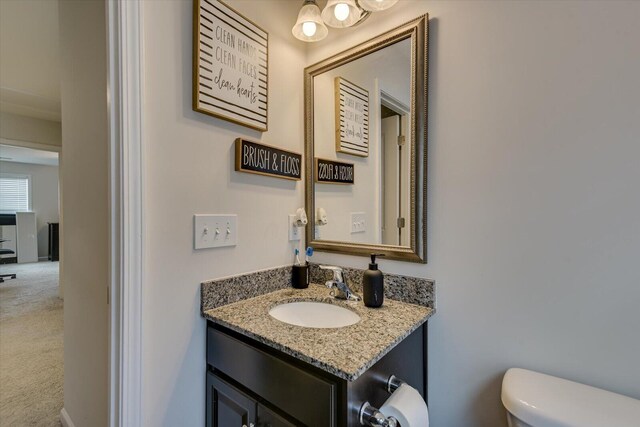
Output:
[[252, 384]]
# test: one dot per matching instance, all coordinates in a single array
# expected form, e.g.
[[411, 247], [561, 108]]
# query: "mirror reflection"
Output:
[[362, 132], [366, 146]]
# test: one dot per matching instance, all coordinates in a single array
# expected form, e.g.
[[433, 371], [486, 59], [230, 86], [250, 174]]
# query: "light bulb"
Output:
[[341, 11], [309, 28]]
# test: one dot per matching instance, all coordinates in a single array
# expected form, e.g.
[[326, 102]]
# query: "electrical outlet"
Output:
[[295, 232], [358, 222], [215, 231]]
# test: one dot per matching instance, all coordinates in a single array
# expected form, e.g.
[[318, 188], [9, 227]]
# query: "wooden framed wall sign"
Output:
[[333, 172], [230, 65], [352, 118], [253, 157]]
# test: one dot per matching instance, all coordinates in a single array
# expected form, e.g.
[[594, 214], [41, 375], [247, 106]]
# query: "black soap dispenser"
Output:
[[373, 284]]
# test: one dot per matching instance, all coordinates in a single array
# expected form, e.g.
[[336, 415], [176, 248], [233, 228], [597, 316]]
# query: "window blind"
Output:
[[14, 193]]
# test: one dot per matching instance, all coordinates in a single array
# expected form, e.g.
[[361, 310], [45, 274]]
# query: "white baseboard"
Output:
[[65, 419]]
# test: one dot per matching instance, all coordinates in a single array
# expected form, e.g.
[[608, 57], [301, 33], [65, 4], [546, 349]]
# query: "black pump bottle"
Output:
[[373, 284]]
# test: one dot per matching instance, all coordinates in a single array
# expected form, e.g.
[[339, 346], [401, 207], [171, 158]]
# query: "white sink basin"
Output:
[[314, 314]]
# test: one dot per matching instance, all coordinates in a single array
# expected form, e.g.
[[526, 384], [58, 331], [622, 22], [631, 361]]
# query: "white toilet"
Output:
[[537, 400]]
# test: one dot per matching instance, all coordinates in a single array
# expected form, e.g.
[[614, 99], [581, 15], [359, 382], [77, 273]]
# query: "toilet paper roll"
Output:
[[407, 406]]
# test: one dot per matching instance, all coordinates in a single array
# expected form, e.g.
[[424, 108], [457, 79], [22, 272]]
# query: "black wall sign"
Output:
[[334, 172], [262, 159]]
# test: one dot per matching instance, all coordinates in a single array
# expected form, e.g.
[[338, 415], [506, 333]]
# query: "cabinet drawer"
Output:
[[306, 397]]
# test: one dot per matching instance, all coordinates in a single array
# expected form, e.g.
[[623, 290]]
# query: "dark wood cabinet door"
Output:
[[294, 391], [228, 406], [268, 418]]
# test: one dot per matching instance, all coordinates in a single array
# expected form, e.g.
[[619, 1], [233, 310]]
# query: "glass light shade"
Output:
[[338, 9], [309, 26], [376, 5]]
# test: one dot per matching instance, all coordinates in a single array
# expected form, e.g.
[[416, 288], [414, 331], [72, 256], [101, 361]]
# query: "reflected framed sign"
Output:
[[352, 118]]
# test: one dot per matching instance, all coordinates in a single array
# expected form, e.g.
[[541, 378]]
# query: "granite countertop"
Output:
[[345, 352]]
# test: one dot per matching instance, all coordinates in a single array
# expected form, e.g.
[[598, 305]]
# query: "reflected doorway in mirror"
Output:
[[395, 161]]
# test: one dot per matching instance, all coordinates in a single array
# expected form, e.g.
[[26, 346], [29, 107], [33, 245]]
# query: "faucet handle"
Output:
[[337, 272]]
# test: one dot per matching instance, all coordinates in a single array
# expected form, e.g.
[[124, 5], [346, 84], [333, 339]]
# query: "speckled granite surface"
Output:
[[345, 352], [413, 290], [219, 292]]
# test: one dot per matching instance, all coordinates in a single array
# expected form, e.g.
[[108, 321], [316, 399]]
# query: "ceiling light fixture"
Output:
[[310, 26], [376, 5]]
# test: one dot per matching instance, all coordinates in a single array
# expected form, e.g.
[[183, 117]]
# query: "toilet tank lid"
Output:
[[546, 401]]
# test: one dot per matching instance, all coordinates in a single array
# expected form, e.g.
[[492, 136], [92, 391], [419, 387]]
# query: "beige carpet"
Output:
[[31, 370]]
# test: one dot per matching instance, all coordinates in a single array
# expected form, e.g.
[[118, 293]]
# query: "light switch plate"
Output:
[[358, 222], [295, 233], [215, 231]]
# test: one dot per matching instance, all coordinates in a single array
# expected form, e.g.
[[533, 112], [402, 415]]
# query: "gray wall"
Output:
[[29, 129], [85, 251], [534, 207], [189, 170], [44, 197]]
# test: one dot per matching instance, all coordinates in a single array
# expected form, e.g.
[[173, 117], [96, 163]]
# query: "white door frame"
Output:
[[124, 39]]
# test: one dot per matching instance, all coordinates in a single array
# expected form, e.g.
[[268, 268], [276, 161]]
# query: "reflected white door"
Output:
[[390, 180], [395, 181]]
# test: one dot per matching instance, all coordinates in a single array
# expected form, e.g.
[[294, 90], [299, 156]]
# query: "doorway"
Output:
[[395, 163], [31, 307]]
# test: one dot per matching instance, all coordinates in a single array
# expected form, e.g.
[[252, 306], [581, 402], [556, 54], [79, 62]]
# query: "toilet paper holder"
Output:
[[371, 416], [393, 383]]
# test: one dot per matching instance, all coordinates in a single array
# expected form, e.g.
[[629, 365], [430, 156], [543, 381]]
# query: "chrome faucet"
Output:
[[338, 286]]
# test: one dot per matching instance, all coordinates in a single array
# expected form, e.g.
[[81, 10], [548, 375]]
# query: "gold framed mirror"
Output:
[[366, 147]]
